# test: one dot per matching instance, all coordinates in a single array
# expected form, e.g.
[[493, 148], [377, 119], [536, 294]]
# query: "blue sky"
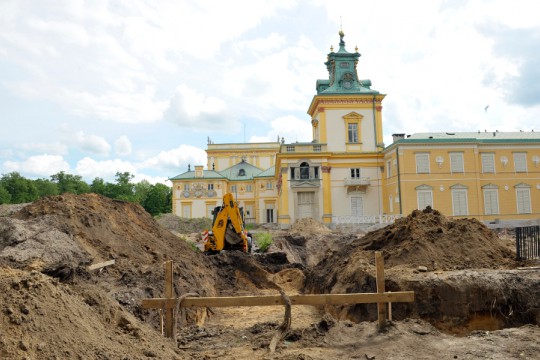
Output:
[[96, 87]]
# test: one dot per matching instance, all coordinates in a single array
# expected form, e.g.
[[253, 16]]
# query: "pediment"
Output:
[[353, 116], [305, 184]]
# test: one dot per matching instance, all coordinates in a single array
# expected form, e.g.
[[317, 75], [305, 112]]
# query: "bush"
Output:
[[263, 241]]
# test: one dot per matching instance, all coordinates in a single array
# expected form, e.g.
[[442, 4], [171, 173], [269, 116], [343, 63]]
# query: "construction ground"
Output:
[[472, 299]]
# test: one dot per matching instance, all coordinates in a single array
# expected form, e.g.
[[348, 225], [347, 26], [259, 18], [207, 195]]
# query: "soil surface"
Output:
[[471, 300]]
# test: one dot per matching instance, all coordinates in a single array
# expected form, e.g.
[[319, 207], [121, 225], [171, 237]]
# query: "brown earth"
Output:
[[53, 307]]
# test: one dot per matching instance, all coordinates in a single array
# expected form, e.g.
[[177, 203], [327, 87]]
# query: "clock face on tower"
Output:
[[347, 84]]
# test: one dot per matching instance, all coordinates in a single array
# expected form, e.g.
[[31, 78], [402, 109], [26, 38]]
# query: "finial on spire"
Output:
[[331, 48], [341, 35], [356, 48]]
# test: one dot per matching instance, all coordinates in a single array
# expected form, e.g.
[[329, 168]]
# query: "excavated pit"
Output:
[[53, 306], [469, 280]]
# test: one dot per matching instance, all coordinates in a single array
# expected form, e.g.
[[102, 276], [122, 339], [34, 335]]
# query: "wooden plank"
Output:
[[381, 306], [169, 311], [275, 300], [100, 265]]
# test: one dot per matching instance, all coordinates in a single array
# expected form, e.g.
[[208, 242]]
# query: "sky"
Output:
[[97, 87]]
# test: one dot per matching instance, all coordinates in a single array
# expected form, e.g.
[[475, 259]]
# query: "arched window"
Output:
[[304, 171], [242, 172]]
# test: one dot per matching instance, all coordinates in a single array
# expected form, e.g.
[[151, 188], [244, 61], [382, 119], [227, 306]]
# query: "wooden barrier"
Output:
[[381, 298]]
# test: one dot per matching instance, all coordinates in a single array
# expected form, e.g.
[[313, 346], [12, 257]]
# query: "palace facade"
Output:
[[347, 175]]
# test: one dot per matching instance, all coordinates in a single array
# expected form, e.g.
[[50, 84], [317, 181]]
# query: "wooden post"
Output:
[[169, 294], [381, 306]]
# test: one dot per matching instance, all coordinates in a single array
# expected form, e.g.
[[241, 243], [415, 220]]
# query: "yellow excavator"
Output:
[[228, 229]]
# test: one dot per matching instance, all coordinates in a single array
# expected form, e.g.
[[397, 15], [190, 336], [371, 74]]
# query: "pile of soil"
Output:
[[61, 235], [42, 318], [178, 225], [308, 226], [428, 238]]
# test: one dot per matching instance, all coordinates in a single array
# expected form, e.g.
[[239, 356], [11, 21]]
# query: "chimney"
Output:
[[199, 170], [397, 137]]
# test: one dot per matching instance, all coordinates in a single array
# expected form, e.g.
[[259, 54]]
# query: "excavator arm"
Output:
[[228, 230]]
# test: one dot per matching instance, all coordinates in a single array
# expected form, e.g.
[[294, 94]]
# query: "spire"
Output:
[[342, 71]]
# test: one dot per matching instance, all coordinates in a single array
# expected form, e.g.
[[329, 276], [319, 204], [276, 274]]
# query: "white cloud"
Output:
[[92, 143], [122, 146], [39, 165], [190, 108], [175, 160], [54, 148], [89, 168], [288, 127]]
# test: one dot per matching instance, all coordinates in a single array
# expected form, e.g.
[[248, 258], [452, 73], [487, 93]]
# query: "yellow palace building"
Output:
[[346, 175]]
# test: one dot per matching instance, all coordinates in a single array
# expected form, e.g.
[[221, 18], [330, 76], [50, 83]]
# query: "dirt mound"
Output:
[[44, 319], [178, 225], [308, 226], [62, 235], [430, 239]]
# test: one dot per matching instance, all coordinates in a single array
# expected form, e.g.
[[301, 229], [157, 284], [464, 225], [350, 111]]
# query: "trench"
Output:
[[455, 302]]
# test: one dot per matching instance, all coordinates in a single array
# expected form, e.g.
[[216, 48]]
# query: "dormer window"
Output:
[[242, 172]]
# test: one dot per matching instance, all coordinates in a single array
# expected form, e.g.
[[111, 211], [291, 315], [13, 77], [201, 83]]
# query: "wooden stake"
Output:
[[381, 306], [169, 294]]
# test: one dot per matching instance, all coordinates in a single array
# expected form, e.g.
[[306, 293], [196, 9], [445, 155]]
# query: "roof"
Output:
[[479, 135], [470, 137], [270, 172], [241, 171], [207, 174]]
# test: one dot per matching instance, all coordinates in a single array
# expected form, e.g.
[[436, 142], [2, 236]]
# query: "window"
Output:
[[317, 148], [290, 148], [248, 188], [488, 163], [389, 168], [186, 187], [456, 162], [520, 162], [422, 163], [491, 201], [424, 195], [241, 172], [353, 132], [459, 201], [233, 188], [210, 186], [391, 204], [355, 173], [304, 172], [269, 185], [523, 199]]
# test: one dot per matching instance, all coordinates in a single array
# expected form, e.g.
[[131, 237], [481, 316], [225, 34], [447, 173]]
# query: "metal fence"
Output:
[[528, 242]]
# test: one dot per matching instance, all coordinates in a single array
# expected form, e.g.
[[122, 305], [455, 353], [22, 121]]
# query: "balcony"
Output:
[[362, 181]]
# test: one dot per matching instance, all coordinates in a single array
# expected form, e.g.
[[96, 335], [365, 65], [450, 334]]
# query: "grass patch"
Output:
[[263, 241]]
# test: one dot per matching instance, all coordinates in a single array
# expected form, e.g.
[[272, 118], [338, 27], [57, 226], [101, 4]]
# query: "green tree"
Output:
[[158, 200], [98, 186], [5, 196], [46, 187], [68, 183], [123, 189], [21, 189], [141, 190]]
